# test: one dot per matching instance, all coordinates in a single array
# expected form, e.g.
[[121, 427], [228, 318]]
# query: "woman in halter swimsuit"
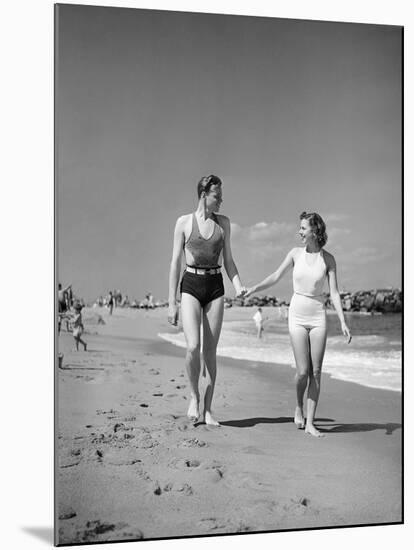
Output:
[[203, 237], [312, 266]]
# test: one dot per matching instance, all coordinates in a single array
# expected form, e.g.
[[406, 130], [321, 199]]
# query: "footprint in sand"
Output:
[[213, 472], [156, 489], [121, 456], [212, 524], [145, 441], [120, 426], [186, 489], [184, 463], [184, 425], [67, 459], [99, 531], [110, 412], [168, 417], [194, 442], [66, 512], [300, 507], [183, 488], [242, 527]]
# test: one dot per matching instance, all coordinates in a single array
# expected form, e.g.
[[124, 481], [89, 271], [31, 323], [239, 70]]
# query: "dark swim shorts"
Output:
[[205, 288]]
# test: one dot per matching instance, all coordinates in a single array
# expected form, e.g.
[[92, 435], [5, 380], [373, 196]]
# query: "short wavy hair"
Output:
[[317, 225], [206, 183]]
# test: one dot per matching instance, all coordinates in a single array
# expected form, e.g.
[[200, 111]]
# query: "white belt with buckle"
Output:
[[202, 271]]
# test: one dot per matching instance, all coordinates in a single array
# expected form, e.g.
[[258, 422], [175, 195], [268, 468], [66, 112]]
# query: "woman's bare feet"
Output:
[[209, 420], [311, 430], [193, 412], [299, 418]]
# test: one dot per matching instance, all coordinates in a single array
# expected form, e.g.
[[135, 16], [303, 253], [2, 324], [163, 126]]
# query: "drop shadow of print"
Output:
[[42, 533]]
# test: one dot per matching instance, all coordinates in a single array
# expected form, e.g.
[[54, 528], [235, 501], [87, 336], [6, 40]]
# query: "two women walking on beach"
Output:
[[203, 237]]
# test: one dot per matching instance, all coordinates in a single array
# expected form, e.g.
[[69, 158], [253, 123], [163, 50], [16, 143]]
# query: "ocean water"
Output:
[[373, 358]]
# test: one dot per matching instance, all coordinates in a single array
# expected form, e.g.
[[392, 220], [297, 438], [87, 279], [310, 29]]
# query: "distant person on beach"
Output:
[[312, 265], [110, 302], [69, 297], [258, 320], [77, 326], [63, 305], [203, 237]]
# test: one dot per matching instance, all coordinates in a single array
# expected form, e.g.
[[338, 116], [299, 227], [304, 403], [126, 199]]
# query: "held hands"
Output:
[[346, 332], [249, 291], [173, 314], [241, 292]]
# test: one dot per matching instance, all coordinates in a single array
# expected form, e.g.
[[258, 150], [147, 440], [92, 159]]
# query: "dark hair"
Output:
[[317, 225], [206, 183]]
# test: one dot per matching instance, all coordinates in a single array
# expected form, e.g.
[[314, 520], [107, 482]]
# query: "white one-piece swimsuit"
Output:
[[307, 306]]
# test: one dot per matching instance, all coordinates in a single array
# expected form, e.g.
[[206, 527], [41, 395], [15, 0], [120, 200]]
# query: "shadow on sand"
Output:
[[389, 428], [249, 422]]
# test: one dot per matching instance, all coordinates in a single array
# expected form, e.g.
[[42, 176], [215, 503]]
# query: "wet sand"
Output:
[[131, 465]]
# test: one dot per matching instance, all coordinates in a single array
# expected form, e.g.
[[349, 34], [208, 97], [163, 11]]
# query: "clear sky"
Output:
[[292, 115]]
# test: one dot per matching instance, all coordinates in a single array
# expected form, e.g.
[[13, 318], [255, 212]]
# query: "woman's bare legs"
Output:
[[317, 338], [212, 322], [191, 319], [299, 338]]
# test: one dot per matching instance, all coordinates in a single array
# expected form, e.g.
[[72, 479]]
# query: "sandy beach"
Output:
[[130, 465]]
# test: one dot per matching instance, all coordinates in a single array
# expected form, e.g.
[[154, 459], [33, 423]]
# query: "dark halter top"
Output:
[[206, 252]]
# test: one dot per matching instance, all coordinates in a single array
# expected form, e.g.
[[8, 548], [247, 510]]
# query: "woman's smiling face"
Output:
[[305, 232]]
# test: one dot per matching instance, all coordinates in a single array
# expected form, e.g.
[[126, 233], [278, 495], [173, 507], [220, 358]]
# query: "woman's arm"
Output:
[[229, 263], [175, 269], [273, 278], [335, 296]]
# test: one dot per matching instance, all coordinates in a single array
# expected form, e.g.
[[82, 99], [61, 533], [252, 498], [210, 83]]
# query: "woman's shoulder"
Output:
[[221, 217], [183, 220], [329, 258], [222, 220], [293, 252]]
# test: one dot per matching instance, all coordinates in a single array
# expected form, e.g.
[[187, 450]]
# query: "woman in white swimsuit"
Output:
[[312, 265]]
